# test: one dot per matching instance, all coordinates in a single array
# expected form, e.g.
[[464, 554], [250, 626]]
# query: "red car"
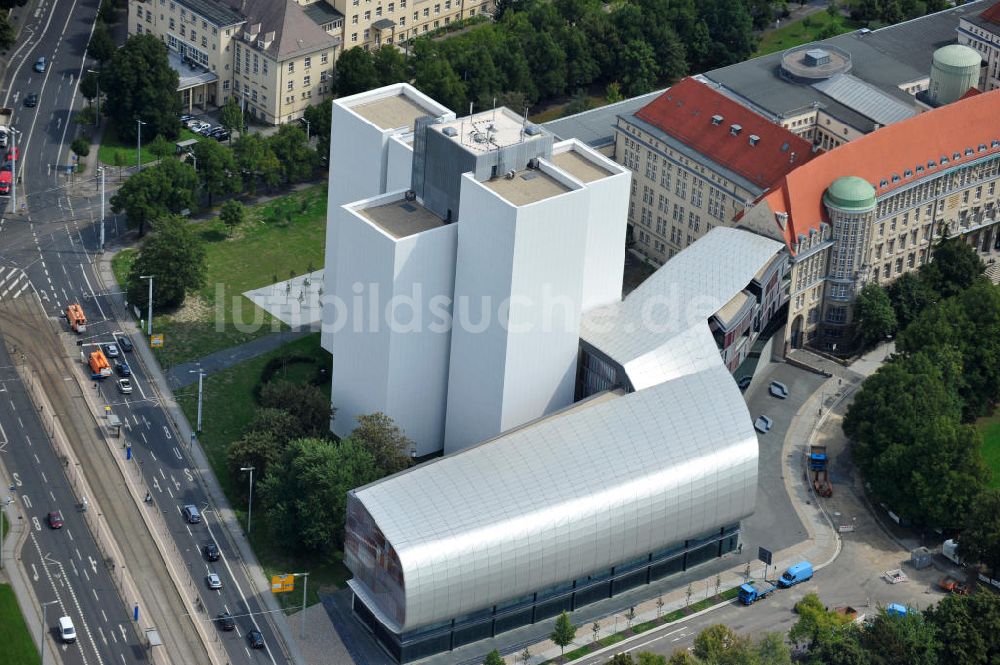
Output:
[[14, 153], [56, 519]]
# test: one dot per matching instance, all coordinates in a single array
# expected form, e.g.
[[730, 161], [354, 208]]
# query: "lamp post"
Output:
[[97, 120], [307, 128], [149, 315], [250, 504], [138, 157], [100, 169], [201, 375], [6, 502], [13, 173], [195, 159], [45, 621]]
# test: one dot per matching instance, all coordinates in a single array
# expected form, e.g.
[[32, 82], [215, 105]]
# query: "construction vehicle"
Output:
[[100, 368], [751, 592], [6, 114], [953, 585], [821, 483], [817, 458], [76, 318]]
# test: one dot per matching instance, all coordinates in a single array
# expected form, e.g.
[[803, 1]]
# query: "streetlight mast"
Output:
[[149, 315], [250, 505]]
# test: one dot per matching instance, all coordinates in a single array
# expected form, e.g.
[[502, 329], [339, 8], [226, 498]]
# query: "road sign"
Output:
[[764, 555], [282, 583], [156, 341]]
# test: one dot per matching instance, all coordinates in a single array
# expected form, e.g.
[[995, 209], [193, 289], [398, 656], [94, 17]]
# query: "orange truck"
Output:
[[76, 319], [99, 366]]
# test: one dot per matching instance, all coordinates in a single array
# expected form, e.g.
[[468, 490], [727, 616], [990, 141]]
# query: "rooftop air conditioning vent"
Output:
[[532, 130], [735, 129], [449, 131], [478, 137], [533, 163], [717, 119], [754, 139], [410, 195], [510, 175]]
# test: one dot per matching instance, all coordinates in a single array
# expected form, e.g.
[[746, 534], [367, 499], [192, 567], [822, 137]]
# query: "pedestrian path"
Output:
[[186, 374]]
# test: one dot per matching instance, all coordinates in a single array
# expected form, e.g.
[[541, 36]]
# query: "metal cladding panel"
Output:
[[570, 495]]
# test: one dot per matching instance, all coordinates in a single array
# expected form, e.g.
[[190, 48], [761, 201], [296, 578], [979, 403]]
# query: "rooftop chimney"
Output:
[[735, 130], [754, 139], [716, 119]]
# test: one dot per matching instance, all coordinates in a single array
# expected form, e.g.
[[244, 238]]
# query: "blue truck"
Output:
[[897, 610], [817, 458], [751, 592], [799, 572]]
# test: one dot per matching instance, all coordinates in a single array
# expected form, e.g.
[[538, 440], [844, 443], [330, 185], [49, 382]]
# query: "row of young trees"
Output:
[[910, 423]]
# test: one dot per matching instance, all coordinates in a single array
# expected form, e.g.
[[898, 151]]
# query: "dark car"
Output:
[[110, 350], [55, 519], [8, 166], [31, 99], [122, 368], [211, 552], [184, 118], [256, 639], [744, 382], [125, 343], [226, 621], [221, 136]]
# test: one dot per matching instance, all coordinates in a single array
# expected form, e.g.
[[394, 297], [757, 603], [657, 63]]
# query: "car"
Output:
[[124, 386], [213, 581], [744, 382], [40, 65], [7, 166], [199, 126], [221, 136], [192, 123], [55, 519], [125, 343], [211, 551], [256, 639], [14, 154], [225, 621], [31, 99], [67, 632], [122, 368], [185, 117], [205, 130], [762, 424], [778, 389], [110, 350], [191, 514]]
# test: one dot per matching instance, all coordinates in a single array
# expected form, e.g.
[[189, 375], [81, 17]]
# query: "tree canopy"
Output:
[[874, 315], [156, 191], [175, 256], [217, 165], [139, 83], [387, 443]]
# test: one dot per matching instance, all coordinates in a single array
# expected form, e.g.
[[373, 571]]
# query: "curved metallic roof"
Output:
[[569, 495]]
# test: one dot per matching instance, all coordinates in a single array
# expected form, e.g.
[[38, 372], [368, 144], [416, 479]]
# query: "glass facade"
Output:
[[544, 604], [373, 560]]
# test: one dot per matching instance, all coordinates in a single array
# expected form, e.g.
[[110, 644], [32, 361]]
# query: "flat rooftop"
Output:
[[527, 187], [489, 130], [401, 219], [579, 167], [392, 112]]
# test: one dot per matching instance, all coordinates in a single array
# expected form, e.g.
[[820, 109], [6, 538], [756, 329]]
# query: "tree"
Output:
[[815, 622], [613, 93], [80, 146], [258, 449], [161, 147], [256, 160], [217, 165], [280, 424], [88, 86], [595, 628], [175, 255], [390, 65], [167, 187], [967, 628], [639, 68], [355, 72], [107, 12], [629, 617], [319, 117], [772, 650], [387, 443], [621, 659], [909, 295], [493, 658], [901, 640], [874, 315], [295, 158], [121, 161], [305, 493], [713, 643], [955, 266], [102, 46], [307, 403], [564, 632], [682, 658], [648, 658], [232, 214], [980, 539], [7, 34], [231, 117], [139, 83]]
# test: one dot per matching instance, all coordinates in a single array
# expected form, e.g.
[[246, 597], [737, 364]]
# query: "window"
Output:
[[378, 11], [253, 95], [354, 20], [225, 84], [836, 314], [306, 80], [204, 42], [368, 15], [437, 9], [427, 12], [172, 25], [392, 7], [307, 62], [402, 21], [324, 58], [290, 86], [291, 67]]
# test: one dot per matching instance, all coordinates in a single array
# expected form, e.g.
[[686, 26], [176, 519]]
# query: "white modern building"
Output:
[[461, 254]]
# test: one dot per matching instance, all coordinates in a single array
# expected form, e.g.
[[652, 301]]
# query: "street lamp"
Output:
[[6, 502], [97, 119], [138, 157], [45, 621], [100, 169], [149, 315], [191, 155], [307, 128], [250, 505], [13, 173], [201, 375]]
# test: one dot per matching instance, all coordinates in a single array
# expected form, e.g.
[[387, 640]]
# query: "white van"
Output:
[[66, 630]]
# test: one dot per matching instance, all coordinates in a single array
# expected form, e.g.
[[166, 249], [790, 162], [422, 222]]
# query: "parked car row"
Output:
[[217, 132]]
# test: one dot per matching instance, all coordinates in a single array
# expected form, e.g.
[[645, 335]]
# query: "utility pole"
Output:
[[6, 503], [149, 315], [97, 120], [13, 173], [138, 157], [250, 505], [201, 375], [100, 170], [45, 621]]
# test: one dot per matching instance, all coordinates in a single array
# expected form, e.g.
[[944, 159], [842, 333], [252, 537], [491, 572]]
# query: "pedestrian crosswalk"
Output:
[[13, 283]]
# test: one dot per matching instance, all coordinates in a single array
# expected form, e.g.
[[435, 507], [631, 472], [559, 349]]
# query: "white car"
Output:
[[125, 386], [779, 390], [762, 424], [213, 581]]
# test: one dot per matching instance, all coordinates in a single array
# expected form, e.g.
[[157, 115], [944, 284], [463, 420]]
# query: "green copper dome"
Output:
[[850, 193], [957, 56]]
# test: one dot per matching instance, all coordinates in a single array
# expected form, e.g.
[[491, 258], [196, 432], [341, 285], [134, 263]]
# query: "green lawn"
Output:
[[111, 143], [15, 640], [989, 427], [812, 28], [228, 405], [284, 236]]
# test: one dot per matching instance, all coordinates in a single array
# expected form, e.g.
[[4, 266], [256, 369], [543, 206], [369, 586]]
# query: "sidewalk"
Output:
[[186, 374]]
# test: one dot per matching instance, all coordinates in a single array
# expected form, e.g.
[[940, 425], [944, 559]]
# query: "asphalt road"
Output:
[[47, 248]]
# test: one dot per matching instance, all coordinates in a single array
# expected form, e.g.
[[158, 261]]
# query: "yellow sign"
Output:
[[282, 583], [156, 341]]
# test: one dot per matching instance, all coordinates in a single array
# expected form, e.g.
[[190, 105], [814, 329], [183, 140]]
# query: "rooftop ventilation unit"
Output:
[[754, 139], [510, 174], [735, 129], [410, 195], [532, 130], [717, 119], [533, 163], [449, 131]]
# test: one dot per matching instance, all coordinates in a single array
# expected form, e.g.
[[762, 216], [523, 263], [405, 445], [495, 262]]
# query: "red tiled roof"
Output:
[[991, 14], [685, 112], [969, 123]]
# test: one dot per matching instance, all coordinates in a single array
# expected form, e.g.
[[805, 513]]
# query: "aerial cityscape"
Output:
[[500, 332]]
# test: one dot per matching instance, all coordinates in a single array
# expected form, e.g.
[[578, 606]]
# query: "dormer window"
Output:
[[931, 164], [717, 119], [907, 173], [920, 169], [735, 129], [883, 183], [895, 177]]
